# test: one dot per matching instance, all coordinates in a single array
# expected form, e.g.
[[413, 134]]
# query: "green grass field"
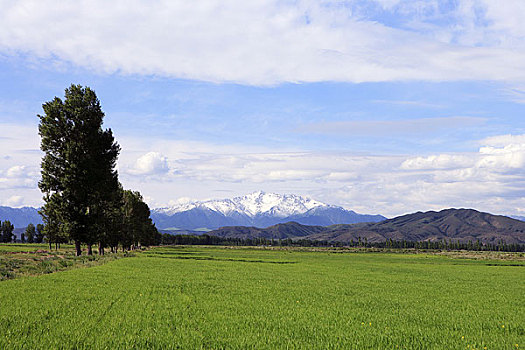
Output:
[[17, 260], [220, 298]]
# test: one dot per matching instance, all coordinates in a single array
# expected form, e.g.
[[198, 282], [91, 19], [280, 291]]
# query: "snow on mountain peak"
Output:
[[253, 204]]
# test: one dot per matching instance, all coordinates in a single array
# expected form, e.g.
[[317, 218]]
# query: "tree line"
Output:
[[168, 239], [84, 200], [32, 234]]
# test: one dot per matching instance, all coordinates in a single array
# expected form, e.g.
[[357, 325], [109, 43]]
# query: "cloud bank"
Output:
[[417, 126], [491, 179], [263, 42]]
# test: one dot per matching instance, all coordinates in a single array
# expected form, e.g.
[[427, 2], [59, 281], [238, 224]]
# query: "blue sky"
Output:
[[380, 106]]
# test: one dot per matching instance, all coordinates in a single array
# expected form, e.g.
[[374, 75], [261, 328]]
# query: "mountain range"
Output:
[[271, 215], [451, 224], [20, 217], [257, 209]]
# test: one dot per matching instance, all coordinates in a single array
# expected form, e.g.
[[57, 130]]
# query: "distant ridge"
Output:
[[20, 217], [317, 223], [258, 209], [279, 231], [451, 224]]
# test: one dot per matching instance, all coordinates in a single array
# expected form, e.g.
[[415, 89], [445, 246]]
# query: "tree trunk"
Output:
[[50, 246], [100, 249], [56, 245], [89, 250], [77, 248]]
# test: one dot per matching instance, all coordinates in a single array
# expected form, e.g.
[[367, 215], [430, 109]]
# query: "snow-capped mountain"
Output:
[[255, 209], [253, 204]]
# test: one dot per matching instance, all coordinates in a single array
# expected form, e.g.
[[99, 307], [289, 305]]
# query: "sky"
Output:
[[380, 106]]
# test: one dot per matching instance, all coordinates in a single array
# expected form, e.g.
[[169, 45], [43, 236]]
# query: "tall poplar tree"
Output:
[[78, 167]]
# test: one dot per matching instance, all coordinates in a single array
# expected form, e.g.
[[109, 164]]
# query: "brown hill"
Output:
[[279, 231], [451, 224]]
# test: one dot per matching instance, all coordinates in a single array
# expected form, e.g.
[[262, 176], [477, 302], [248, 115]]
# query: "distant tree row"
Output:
[[84, 200], [205, 239], [33, 234], [478, 245]]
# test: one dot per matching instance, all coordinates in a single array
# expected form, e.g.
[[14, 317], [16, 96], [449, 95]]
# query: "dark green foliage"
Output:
[[78, 167], [6, 231], [138, 227], [205, 239], [84, 201], [30, 233], [39, 237], [110, 225]]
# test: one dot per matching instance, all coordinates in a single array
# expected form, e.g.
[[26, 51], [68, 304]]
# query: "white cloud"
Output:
[[490, 179], [417, 126], [267, 42], [511, 156], [388, 4], [17, 171], [19, 165], [503, 140], [179, 201], [152, 163], [500, 154], [505, 18], [441, 161], [14, 201], [18, 183]]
